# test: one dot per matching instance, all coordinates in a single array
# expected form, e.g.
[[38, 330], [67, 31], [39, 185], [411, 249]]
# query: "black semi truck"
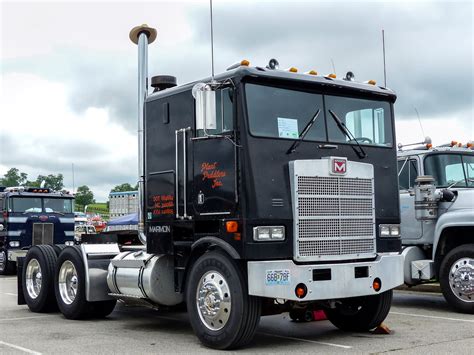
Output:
[[261, 191]]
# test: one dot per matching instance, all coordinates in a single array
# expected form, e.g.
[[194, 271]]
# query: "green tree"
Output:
[[84, 196], [54, 182], [123, 187], [13, 177]]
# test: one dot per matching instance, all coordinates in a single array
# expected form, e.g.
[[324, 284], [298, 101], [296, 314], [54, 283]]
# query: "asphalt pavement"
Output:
[[420, 323]]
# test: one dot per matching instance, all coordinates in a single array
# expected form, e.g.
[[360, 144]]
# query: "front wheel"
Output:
[[6, 267], [457, 278], [222, 313], [360, 313]]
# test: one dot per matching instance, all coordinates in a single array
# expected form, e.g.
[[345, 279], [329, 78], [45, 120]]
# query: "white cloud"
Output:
[[48, 137]]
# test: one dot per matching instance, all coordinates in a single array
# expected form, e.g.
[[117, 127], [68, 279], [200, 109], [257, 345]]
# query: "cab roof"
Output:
[[241, 72]]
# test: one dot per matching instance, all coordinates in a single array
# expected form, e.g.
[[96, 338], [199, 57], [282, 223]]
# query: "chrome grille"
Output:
[[334, 215], [43, 233]]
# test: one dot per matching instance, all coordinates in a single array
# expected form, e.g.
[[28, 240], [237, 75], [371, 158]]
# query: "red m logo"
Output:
[[339, 166]]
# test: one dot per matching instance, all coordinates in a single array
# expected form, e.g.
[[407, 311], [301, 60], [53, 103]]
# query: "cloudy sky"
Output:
[[68, 69]]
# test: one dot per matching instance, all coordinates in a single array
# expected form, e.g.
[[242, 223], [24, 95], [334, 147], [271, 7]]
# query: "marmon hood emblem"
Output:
[[338, 166], [43, 218]]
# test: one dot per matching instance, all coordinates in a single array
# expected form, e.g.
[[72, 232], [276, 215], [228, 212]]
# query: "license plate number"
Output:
[[277, 277]]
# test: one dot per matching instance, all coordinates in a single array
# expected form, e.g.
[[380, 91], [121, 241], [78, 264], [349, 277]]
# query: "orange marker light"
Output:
[[453, 143], [377, 284], [301, 290], [237, 236], [245, 62], [312, 72], [372, 82], [429, 145], [231, 226], [332, 76], [293, 70]]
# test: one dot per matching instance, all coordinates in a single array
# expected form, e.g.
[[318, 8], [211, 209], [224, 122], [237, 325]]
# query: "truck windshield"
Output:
[[283, 113], [40, 205], [455, 170]]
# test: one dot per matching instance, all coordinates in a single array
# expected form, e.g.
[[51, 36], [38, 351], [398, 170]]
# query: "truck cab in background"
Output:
[[437, 219], [32, 216]]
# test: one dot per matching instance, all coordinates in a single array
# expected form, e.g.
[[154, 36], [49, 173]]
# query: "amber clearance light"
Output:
[[231, 226]]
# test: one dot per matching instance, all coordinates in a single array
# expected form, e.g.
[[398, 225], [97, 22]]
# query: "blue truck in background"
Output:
[[32, 216]]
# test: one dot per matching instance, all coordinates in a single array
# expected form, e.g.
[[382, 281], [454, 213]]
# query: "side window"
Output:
[[407, 173], [224, 114]]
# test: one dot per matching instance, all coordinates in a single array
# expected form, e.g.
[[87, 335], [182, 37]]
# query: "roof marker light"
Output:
[[311, 72], [370, 82], [244, 62], [293, 70], [453, 143], [332, 76]]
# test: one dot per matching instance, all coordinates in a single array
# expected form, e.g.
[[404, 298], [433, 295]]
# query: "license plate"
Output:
[[277, 277]]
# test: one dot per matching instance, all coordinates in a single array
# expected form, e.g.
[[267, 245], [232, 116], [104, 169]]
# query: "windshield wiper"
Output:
[[360, 152], [303, 133]]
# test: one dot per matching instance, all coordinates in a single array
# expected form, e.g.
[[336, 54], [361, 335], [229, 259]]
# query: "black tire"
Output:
[[297, 315], [6, 267], [245, 310], [42, 300], [460, 302], [361, 314], [77, 307]]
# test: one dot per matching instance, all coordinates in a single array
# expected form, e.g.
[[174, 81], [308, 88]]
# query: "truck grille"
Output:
[[43, 233], [334, 215]]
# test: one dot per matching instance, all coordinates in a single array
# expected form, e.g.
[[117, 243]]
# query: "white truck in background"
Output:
[[437, 219]]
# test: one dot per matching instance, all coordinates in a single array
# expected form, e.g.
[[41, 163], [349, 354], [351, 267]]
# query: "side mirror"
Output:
[[205, 98]]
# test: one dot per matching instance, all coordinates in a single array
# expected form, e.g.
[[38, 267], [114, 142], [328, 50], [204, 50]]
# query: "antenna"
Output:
[[384, 67], [419, 120], [333, 66], [212, 44]]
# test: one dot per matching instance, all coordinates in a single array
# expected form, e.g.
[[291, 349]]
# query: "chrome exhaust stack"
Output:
[[142, 36]]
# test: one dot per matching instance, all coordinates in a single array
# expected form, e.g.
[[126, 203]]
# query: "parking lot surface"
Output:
[[421, 323]]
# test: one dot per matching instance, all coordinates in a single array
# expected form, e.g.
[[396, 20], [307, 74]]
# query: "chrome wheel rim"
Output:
[[213, 300], [3, 260], [67, 282], [33, 278], [461, 279]]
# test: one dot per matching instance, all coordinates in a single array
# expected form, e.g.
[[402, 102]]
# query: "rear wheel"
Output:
[[457, 278], [71, 291], [38, 278], [360, 313], [6, 267], [222, 313]]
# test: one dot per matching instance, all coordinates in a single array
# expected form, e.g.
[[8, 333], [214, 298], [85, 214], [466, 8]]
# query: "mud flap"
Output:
[[19, 272]]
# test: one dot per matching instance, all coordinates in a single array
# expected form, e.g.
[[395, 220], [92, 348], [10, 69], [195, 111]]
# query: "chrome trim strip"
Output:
[[66, 220], [14, 233], [69, 233], [17, 219]]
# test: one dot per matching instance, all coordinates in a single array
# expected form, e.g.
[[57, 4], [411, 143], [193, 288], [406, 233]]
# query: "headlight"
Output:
[[14, 243], [69, 242], [389, 230], [270, 233]]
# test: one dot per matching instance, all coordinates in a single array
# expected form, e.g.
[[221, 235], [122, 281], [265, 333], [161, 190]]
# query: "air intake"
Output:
[[163, 82]]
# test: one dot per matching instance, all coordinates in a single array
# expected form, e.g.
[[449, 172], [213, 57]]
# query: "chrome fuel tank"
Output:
[[144, 276]]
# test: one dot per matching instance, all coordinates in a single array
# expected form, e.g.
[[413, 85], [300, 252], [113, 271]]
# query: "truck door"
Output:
[[408, 171], [214, 161]]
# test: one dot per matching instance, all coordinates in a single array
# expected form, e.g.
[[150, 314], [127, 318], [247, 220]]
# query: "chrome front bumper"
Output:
[[342, 284], [14, 254]]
